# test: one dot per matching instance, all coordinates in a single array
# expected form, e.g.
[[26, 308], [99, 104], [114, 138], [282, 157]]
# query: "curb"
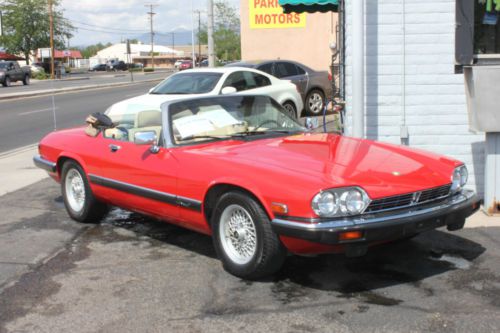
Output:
[[71, 89]]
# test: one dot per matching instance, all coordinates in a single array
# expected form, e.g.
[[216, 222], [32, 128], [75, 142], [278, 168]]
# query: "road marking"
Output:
[[36, 111], [133, 95]]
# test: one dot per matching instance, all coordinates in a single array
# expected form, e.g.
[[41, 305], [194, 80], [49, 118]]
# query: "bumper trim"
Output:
[[44, 164], [377, 226]]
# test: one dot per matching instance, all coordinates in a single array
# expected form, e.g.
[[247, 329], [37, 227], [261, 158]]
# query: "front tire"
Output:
[[79, 200], [243, 237], [315, 102], [6, 82], [26, 80], [290, 109]]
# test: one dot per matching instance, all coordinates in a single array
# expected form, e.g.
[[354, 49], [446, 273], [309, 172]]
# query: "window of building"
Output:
[[487, 27]]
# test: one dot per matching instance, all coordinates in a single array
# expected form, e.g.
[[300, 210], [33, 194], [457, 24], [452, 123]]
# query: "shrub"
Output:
[[149, 69], [41, 75]]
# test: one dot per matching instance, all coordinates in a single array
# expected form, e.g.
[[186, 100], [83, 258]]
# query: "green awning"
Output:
[[310, 6]]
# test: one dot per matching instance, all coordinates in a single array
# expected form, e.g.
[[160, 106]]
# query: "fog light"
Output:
[[350, 235]]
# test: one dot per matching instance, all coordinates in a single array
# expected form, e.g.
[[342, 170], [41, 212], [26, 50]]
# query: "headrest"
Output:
[[148, 118]]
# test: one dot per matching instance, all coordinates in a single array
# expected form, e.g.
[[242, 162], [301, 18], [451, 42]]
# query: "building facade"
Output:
[[267, 33], [412, 94]]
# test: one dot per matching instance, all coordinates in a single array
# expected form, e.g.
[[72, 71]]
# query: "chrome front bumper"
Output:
[[384, 226]]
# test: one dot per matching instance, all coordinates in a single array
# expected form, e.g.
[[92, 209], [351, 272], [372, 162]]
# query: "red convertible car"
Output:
[[239, 169]]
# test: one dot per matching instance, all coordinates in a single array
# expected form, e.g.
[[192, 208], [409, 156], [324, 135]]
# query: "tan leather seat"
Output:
[[148, 120]]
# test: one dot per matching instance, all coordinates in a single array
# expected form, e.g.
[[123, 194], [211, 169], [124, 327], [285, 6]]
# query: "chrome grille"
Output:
[[409, 199]]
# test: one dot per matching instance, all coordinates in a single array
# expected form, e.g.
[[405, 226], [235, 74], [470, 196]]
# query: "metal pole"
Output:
[[210, 32], [199, 33], [358, 69], [192, 34], [51, 31]]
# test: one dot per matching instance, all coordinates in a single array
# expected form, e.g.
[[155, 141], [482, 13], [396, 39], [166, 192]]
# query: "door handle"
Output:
[[114, 148]]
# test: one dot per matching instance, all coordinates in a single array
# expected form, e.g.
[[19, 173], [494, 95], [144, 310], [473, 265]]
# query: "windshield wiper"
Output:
[[265, 132], [216, 137]]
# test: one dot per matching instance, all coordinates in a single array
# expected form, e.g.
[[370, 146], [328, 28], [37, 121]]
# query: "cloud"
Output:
[[114, 20]]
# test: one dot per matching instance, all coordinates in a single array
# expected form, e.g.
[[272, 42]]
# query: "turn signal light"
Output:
[[279, 208], [350, 235]]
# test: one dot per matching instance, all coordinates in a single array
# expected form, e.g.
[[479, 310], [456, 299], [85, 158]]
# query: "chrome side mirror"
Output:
[[145, 138]]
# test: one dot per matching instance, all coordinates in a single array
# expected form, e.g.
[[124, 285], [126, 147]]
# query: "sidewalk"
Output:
[[70, 89]]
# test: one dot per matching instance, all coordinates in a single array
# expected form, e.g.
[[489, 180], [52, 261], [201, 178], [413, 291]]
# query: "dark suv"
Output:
[[116, 66], [313, 85]]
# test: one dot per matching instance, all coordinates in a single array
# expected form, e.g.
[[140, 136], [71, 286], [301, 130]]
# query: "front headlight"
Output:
[[459, 178], [340, 202]]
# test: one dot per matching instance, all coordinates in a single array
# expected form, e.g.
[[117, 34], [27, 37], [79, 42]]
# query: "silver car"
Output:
[[313, 85]]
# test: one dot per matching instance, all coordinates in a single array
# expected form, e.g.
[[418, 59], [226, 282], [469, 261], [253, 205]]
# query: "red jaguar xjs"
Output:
[[239, 169]]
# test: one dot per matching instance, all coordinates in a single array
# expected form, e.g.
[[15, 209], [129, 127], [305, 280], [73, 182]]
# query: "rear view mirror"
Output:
[[145, 138], [228, 90]]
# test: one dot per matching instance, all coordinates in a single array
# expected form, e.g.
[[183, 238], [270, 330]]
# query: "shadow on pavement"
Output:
[[429, 254]]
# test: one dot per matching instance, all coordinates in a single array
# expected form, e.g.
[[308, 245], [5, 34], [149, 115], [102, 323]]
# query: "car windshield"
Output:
[[228, 117], [188, 83]]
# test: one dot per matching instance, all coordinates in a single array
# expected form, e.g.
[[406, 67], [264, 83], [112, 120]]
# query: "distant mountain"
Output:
[[180, 37]]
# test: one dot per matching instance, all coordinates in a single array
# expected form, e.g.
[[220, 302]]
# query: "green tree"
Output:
[[226, 32], [91, 50], [26, 26]]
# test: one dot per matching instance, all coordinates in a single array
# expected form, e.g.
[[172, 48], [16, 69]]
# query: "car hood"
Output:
[[156, 99], [328, 160]]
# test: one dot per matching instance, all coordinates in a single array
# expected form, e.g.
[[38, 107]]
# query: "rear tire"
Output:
[[243, 237], [26, 80], [79, 200], [315, 101]]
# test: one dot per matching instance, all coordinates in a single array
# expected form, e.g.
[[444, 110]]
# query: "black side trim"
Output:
[[44, 164], [168, 198]]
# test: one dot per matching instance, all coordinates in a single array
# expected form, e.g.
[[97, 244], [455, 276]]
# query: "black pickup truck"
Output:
[[11, 72]]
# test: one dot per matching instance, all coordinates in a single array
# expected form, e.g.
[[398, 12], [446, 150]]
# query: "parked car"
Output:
[[10, 71], [240, 169], [313, 85], [116, 66], [223, 80], [177, 63], [185, 64], [98, 68]]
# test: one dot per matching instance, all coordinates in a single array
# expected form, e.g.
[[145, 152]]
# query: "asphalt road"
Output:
[[135, 274], [24, 121], [81, 80]]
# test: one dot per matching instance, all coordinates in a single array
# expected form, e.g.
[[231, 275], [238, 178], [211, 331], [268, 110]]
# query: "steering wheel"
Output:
[[269, 121]]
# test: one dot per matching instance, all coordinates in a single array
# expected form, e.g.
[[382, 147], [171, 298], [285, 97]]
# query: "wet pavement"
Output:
[[135, 274]]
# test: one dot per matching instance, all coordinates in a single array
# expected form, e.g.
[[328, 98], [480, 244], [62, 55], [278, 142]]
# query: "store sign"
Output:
[[268, 14]]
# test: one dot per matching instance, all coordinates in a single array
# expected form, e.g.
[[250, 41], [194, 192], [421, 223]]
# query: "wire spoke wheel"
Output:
[[238, 234], [75, 190]]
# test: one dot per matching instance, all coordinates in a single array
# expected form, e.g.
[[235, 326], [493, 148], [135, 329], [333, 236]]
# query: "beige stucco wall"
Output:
[[308, 45]]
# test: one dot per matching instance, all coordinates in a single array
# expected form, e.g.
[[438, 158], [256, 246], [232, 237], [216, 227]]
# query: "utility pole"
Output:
[[173, 44], [199, 32], [51, 29], [151, 14], [210, 32]]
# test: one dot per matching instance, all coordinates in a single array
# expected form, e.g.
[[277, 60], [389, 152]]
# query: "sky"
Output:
[[111, 21]]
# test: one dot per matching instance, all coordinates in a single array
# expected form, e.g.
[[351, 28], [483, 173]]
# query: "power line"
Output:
[[103, 31], [108, 28]]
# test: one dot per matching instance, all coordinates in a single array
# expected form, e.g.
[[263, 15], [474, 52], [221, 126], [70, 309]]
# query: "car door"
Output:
[[129, 175], [289, 71]]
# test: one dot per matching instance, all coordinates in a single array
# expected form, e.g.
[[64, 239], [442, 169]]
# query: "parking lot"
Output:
[[140, 275]]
